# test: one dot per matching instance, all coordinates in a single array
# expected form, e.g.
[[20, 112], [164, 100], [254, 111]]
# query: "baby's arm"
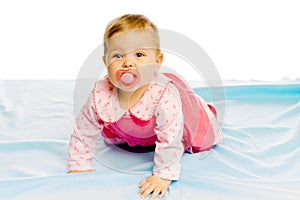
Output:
[[83, 139], [169, 148]]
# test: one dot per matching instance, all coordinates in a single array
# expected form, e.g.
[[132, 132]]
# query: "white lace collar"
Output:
[[107, 103]]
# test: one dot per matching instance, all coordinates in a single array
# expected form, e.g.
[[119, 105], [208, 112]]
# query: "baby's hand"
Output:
[[154, 184], [80, 171]]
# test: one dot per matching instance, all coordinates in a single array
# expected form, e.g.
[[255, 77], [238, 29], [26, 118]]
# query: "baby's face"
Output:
[[132, 59]]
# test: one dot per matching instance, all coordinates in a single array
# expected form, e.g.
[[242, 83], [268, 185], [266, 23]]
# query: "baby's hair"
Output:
[[129, 22]]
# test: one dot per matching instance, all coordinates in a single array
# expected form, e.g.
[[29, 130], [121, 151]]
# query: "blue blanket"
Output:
[[259, 157]]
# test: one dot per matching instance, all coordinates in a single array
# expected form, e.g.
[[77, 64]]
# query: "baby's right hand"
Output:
[[80, 171]]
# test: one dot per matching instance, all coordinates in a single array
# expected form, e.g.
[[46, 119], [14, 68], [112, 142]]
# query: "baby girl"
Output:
[[137, 105]]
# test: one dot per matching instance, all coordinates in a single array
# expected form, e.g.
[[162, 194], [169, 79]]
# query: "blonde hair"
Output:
[[129, 22]]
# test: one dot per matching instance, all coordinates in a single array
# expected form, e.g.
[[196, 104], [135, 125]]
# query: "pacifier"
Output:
[[127, 78]]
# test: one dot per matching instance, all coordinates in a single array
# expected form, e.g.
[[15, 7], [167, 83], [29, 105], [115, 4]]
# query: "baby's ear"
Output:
[[159, 58], [104, 59]]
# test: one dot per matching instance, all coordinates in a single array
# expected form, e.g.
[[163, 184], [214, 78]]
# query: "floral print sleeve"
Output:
[[169, 130], [84, 137]]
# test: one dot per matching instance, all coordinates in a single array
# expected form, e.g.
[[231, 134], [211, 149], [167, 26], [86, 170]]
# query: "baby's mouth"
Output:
[[127, 78]]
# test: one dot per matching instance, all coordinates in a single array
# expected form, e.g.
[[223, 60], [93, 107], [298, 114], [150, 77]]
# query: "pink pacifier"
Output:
[[127, 78]]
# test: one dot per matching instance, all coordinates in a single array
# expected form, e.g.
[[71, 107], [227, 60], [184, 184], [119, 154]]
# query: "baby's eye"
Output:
[[139, 54], [117, 56]]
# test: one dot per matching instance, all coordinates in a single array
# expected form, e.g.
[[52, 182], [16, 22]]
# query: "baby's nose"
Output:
[[127, 64]]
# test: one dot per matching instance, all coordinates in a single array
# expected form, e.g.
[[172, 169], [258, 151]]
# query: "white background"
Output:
[[257, 39]]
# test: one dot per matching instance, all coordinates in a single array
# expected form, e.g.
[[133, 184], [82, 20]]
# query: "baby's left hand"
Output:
[[154, 184]]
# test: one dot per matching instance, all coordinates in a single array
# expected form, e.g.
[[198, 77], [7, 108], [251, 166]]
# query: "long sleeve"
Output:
[[169, 130], [83, 140]]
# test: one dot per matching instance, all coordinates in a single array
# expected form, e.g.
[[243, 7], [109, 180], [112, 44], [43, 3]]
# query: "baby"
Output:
[[137, 105]]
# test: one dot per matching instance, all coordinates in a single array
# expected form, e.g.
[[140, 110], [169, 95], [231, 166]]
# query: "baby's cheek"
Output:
[[112, 79]]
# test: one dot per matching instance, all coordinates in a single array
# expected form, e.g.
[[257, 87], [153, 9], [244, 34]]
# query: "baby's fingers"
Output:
[[142, 183], [146, 190], [155, 193], [163, 193]]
